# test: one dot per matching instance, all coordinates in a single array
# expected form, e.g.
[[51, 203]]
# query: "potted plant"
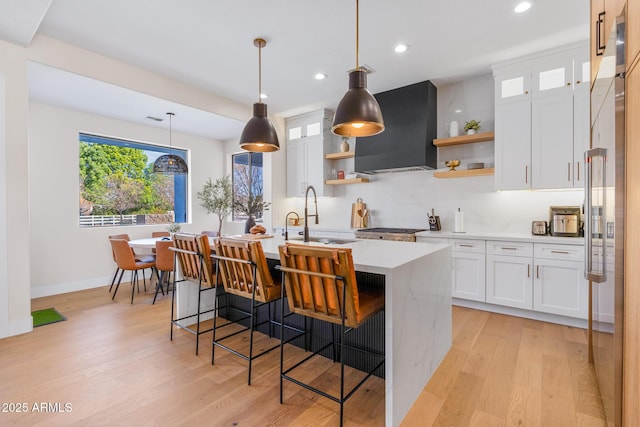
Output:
[[251, 206], [174, 228], [217, 198], [471, 127]]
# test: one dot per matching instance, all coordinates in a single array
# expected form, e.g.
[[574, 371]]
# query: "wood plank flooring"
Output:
[[114, 364]]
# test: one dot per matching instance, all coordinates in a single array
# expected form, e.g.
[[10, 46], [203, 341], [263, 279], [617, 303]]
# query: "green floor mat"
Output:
[[46, 316]]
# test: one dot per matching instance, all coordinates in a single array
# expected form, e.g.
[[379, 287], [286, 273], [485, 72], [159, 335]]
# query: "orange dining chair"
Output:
[[126, 262], [138, 257], [160, 234], [321, 284], [165, 264], [245, 273], [193, 255]]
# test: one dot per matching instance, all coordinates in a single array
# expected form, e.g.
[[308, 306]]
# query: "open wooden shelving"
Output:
[[464, 173], [342, 155], [464, 139], [346, 181]]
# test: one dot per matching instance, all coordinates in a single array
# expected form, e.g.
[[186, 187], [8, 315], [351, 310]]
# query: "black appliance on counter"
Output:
[[397, 234], [410, 118]]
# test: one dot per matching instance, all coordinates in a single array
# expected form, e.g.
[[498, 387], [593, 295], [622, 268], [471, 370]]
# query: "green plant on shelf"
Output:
[[472, 125]]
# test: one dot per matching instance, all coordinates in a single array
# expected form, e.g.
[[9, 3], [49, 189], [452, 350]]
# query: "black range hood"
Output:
[[410, 118]]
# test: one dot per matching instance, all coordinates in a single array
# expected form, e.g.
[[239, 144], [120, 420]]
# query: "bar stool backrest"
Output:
[[314, 283], [237, 277], [194, 258]]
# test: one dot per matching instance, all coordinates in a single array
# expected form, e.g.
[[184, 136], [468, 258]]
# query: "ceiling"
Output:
[[209, 45]]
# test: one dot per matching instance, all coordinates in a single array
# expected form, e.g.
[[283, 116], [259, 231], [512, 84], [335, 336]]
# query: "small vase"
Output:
[[251, 221], [471, 132], [344, 145]]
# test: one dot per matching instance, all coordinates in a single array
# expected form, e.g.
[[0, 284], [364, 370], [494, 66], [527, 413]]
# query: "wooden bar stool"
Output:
[[193, 255], [321, 284], [243, 268]]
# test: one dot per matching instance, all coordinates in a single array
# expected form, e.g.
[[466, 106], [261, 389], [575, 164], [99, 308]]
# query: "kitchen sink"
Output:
[[325, 240]]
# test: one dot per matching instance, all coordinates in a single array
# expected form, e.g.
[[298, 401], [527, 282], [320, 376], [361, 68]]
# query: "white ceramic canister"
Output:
[[453, 129]]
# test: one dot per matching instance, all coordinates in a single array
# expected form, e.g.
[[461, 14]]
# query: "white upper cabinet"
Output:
[[309, 139], [542, 120]]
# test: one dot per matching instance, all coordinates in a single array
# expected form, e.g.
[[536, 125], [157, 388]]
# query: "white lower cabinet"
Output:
[[559, 286], [468, 279], [509, 278]]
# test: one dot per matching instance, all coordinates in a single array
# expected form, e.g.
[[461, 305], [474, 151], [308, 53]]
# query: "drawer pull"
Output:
[[560, 252], [506, 248], [462, 245]]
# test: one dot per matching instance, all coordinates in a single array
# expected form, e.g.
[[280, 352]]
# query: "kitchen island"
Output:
[[417, 280]]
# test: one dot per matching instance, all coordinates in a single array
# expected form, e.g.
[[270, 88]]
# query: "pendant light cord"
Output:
[[259, 73], [170, 130], [357, 34]]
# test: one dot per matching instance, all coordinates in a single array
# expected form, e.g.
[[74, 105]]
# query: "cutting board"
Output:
[[252, 236]]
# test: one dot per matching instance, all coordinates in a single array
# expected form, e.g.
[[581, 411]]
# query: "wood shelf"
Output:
[[346, 181], [464, 139], [464, 173], [342, 155]]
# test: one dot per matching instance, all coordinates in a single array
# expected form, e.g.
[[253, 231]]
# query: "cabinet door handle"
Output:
[[537, 271], [526, 174], [528, 270], [578, 170], [526, 92], [578, 82], [599, 33], [568, 171], [560, 252], [568, 83]]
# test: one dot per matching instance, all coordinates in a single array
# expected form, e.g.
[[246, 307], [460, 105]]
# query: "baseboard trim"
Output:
[[63, 288]]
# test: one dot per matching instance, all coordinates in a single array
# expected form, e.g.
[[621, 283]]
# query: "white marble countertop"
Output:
[[516, 237], [374, 256]]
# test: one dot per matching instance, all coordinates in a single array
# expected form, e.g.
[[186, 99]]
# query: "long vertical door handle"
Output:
[[537, 271], [599, 33], [528, 270], [526, 174], [578, 170], [568, 171]]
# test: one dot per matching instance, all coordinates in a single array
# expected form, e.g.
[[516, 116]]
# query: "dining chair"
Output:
[[138, 257], [320, 283], [211, 233], [245, 273], [126, 261], [165, 264], [193, 255], [160, 234]]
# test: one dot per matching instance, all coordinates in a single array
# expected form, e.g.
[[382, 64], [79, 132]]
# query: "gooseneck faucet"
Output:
[[306, 211], [286, 223]]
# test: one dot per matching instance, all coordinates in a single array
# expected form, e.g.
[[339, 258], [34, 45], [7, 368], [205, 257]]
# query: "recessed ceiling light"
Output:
[[320, 76], [401, 48], [522, 7], [458, 111], [263, 96]]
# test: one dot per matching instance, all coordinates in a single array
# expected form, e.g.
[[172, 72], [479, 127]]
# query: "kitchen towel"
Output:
[[458, 223]]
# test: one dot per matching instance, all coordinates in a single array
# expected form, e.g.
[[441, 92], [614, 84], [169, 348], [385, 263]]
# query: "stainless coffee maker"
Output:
[[564, 221]]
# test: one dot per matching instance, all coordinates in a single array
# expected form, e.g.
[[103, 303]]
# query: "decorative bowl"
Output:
[[452, 164]]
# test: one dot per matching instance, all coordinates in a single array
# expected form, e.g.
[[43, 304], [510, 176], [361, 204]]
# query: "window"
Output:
[[118, 186], [248, 186]]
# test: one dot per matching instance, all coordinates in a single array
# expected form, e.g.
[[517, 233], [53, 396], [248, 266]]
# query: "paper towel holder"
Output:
[[458, 223]]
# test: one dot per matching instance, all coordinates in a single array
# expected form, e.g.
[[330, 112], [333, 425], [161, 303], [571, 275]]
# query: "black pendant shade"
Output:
[[258, 134], [170, 164], [358, 113]]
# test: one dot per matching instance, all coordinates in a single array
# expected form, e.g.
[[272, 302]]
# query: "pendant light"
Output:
[[358, 113], [258, 134], [170, 164]]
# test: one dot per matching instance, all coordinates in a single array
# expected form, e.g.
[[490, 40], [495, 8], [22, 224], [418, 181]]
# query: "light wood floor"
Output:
[[114, 364]]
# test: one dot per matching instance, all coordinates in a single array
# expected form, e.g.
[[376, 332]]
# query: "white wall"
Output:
[[67, 257], [404, 199]]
